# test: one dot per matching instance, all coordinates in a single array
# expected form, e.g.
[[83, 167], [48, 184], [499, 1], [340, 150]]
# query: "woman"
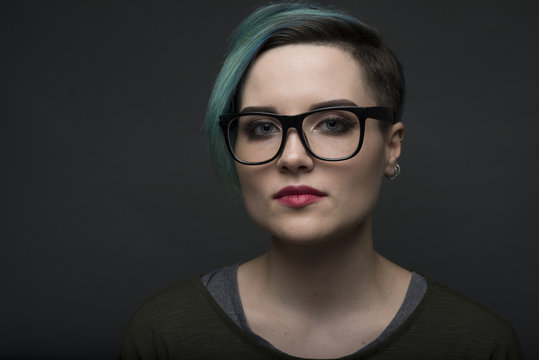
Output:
[[304, 123]]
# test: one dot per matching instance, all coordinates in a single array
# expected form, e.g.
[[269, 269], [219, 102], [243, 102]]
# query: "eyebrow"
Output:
[[333, 103], [320, 105]]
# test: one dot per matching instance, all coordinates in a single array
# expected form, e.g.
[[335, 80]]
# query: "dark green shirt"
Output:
[[185, 322]]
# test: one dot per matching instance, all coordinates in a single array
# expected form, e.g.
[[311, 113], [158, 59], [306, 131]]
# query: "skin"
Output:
[[321, 291]]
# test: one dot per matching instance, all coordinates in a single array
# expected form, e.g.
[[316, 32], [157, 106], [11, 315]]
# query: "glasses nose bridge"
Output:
[[293, 122]]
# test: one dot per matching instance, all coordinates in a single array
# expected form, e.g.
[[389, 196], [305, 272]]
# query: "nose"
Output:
[[294, 157]]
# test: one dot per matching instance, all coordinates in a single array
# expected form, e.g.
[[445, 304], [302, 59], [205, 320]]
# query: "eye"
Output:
[[260, 128], [334, 125], [263, 128]]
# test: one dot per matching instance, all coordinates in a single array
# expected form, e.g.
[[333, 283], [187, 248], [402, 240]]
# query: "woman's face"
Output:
[[293, 79]]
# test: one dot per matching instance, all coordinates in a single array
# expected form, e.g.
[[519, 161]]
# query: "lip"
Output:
[[298, 196]]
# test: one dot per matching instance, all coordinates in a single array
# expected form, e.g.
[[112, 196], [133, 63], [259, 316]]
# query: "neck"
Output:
[[334, 274]]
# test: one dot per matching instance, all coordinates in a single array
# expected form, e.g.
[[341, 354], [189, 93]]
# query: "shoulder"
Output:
[[180, 322], [168, 319], [446, 321], [175, 307], [452, 308], [183, 293]]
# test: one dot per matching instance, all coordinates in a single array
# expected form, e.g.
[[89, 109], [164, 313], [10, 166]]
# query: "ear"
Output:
[[394, 138]]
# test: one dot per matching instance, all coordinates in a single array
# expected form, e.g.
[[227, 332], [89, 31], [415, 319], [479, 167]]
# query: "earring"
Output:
[[396, 173]]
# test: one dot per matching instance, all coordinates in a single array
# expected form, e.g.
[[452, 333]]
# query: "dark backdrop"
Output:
[[106, 186]]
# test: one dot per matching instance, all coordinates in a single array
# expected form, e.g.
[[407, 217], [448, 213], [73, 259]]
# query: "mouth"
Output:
[[298, 196]]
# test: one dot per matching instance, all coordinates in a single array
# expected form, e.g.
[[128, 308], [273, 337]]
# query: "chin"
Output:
[[308, 228], [306, 238], [315, 235]]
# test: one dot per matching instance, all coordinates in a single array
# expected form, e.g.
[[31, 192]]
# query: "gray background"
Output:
[[108, 195]]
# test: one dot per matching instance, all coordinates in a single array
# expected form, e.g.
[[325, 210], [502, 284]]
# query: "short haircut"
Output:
[[297, 23]]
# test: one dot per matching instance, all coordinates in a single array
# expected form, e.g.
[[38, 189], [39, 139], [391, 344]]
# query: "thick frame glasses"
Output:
[[330, 134]]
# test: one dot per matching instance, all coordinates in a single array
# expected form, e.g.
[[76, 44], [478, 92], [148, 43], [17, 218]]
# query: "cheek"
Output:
[[252, 187], [369, 164], [359, 183], [249, 178], [361, 177], [372, 156]]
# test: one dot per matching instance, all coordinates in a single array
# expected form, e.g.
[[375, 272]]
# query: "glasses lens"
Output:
[[332, 134], [255, 138]]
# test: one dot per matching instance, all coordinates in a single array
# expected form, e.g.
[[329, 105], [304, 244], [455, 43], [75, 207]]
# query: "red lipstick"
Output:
[[298, 196]]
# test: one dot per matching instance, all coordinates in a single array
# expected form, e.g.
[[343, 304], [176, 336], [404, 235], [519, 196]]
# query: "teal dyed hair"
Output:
[[292, 23]]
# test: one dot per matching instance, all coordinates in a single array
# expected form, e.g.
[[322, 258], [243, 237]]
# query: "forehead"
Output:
[[293, 77]]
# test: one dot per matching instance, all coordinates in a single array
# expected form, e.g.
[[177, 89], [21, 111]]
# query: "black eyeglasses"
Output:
[[330, 134]]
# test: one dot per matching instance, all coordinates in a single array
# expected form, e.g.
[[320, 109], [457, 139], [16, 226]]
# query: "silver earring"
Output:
[[397, 172]]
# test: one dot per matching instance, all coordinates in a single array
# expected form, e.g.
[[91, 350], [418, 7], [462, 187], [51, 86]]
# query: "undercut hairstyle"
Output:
[[290, 23]]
